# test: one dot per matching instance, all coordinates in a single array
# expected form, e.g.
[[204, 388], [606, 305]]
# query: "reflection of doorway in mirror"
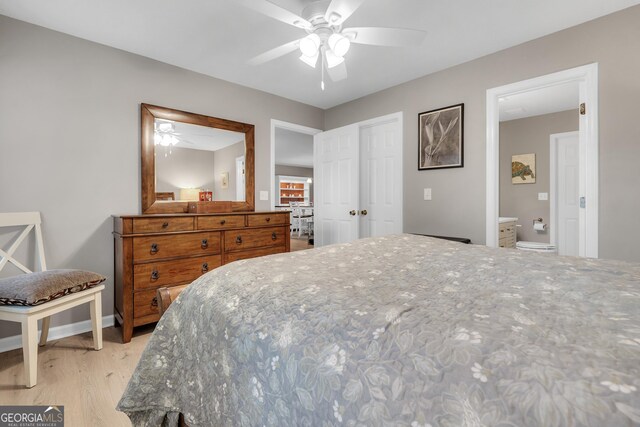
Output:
[[240, 183]]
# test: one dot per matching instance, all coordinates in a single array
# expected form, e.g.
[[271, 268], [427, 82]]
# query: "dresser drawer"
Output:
[[253, 253], [176, 245], [256, 238], [145, 303], [160, 225], [221, 222], [164, 273], [267, 219]]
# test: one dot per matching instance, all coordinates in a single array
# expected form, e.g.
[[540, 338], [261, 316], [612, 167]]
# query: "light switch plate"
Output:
[[427, 194], [264, 195], [543, 196]]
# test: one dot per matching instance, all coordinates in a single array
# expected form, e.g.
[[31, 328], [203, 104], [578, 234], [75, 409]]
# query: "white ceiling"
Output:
[[293, 148], [205, 138], [541, 101], [218, 37]]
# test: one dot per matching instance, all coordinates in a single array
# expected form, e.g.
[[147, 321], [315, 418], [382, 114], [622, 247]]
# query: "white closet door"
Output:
[[568, 195], [336, 185], [380, 179]]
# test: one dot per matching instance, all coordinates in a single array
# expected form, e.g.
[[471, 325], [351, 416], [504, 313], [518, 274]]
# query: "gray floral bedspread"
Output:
[[397, 331]]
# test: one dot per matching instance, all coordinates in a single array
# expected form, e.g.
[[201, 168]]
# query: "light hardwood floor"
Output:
[[88, 383], [300, 244]]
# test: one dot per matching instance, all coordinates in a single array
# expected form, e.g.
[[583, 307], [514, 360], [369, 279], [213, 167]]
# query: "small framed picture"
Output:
[[441, 136], [224, 179], [523, 169]]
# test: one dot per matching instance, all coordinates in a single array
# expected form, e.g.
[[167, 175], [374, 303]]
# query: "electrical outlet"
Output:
[[264, 195], [427, 194], [543, 196]]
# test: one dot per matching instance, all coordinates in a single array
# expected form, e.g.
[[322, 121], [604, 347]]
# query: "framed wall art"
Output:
[[441, 136]]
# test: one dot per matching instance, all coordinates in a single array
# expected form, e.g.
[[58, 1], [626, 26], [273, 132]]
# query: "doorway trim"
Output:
[[272, 151], [587, 77]]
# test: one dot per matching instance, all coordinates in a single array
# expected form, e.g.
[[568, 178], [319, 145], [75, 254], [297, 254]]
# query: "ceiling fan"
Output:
[[326, 39]]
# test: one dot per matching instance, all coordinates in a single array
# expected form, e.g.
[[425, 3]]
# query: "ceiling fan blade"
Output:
[[276, 12], [339, 72], [340, 10], [275, 53], [385, 36]]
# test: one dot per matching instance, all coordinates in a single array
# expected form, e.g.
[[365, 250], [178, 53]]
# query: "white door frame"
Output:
[[587, 77], [553, 182], [272, 150], [239, 174]]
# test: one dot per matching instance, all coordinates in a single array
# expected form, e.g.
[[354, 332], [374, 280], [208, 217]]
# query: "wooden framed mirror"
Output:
[[191, 159]]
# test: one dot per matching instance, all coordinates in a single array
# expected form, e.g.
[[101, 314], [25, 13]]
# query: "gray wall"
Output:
[[184, 168], [225, 161], [294, 171], [70, 144], [524, 136], [458, 205]]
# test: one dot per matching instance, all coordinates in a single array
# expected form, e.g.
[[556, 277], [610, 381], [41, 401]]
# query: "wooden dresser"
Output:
[[153, 251]]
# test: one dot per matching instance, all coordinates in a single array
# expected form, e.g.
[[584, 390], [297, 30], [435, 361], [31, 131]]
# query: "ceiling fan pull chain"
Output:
[[322, 74]]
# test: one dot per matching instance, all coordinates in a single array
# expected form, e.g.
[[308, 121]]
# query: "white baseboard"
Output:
[[57, 332]]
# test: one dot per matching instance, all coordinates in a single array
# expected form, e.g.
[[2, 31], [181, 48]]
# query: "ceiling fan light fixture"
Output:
[[310, 44], [310, 60], [339, 44], [333, 60]]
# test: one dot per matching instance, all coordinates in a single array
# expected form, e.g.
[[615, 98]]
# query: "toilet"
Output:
[[536, 247]]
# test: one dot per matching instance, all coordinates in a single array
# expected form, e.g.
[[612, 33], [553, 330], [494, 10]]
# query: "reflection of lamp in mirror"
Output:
[[189, 194]]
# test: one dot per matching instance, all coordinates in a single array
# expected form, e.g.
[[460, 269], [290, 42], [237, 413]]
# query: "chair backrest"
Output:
[[31, 221]]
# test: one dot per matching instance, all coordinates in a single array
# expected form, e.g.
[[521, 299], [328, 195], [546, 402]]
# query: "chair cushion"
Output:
[[38, 288]]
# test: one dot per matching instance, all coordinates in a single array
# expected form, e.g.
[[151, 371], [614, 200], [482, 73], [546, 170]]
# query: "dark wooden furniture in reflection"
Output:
[[155, 251], [166, 196]]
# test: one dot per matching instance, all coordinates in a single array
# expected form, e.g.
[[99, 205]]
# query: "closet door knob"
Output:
[[352, 213], [239, 239], [205, 267], [155, 275], [363, 212], [154, 248], [204, 244]]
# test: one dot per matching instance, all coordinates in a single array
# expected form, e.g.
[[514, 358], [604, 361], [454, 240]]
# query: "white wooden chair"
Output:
[[28, 316], [298, 218]]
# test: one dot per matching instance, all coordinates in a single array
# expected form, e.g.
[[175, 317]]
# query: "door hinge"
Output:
[[583, 109], [583, 202]]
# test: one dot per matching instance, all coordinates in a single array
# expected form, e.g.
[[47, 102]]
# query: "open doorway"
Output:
[[542, 164], [292, 179]]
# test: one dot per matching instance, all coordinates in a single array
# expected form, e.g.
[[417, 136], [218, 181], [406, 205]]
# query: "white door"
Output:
[[380, 179], [566, 192], [335, 173], [240, 183]]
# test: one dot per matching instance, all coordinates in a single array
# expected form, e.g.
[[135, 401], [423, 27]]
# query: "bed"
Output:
[[401, 330]]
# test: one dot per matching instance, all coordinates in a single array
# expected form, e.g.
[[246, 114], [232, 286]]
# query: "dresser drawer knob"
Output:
[[165, 224], [205, 267], [239, 239], [204, 244], [155, 274], [154, 248], [223, 222], [274, 236], [268, 219], [154, 302]]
